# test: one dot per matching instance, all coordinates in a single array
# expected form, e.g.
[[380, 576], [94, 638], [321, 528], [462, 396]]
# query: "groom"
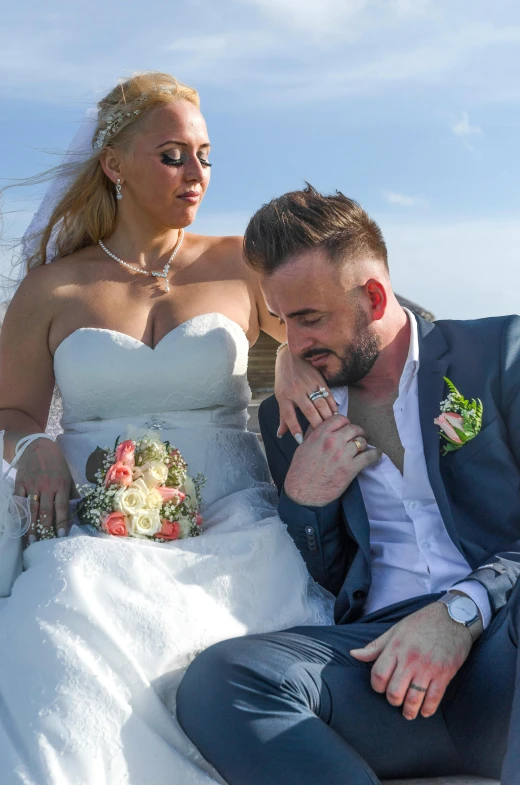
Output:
[[421, 675]]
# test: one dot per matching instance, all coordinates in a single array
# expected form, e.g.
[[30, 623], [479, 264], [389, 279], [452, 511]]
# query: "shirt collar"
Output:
[[411, 366]]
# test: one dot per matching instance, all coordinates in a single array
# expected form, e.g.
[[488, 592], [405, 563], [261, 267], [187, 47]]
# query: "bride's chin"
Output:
[[184, 218]]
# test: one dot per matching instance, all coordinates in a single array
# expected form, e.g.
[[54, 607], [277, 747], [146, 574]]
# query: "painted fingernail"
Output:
[[336, 413], [278, 433], [31, 538], [298, 437], [61, 532]]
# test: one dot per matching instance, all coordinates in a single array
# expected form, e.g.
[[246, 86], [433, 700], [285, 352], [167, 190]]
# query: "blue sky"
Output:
[[412, 107]]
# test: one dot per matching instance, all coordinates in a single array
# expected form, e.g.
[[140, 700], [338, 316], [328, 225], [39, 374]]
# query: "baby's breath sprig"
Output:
[[150, 449], [177, 468]]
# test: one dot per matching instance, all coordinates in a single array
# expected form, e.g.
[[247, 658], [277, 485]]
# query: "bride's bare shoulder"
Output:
[[49, 284], [226, 251]]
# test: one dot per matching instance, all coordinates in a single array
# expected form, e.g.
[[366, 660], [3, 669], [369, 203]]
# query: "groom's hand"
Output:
[[415, 660], [326, 463]]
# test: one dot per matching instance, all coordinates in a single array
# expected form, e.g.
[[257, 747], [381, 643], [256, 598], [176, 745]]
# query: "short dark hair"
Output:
[[307, 220]]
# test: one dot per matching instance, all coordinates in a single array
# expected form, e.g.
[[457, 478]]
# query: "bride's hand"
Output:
[[43, 476], [295, 380]]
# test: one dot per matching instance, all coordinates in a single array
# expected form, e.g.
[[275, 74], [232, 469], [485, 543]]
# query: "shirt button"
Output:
[[359, 594], [413, 505], [425, 546]]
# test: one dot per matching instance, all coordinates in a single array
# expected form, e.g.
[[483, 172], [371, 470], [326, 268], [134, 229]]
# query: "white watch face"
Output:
[[463, 609]]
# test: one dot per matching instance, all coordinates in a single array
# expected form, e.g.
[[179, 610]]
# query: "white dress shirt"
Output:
[[412, 552]]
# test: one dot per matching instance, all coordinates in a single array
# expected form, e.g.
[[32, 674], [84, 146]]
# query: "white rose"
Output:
[[189, 490], [146, 522], [154, 473], [130, 500], [154, 500]]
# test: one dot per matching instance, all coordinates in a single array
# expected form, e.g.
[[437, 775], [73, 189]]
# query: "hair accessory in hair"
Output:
[[113, 124]]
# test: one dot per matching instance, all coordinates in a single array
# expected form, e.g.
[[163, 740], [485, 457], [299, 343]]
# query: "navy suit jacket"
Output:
[[477, 487]]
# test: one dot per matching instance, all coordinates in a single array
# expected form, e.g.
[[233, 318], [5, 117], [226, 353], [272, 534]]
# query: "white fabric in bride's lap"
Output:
[[98, 630], [86, 678]]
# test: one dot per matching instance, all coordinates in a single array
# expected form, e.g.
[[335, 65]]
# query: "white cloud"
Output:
[[456, 269], [403, 200], [291, 50], [311, 17], [344, 19], [463, 127]]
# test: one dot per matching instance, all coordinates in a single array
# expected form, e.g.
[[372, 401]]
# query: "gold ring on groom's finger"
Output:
[[358, 444]]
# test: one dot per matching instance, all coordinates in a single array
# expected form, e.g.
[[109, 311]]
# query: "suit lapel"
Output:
[[434, 357], [357, 518]]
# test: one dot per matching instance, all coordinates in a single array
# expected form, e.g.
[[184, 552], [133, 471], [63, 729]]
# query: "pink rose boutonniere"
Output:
[[460, 420]]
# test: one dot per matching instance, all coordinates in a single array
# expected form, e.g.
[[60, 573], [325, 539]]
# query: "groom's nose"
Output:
[[298, 339]]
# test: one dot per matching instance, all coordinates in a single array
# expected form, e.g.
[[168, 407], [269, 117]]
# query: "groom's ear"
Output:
[[378, 298], [94, 464]]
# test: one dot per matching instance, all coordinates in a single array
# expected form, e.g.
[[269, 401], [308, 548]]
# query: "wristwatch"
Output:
[[464, 611]]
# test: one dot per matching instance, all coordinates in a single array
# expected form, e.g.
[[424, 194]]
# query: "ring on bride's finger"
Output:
[[324, 391], [315, 395], [419, 689], [34, 497], [359, 445]]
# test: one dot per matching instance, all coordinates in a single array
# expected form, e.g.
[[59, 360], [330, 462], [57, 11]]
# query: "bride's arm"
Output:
[[26, 386], [295, 379]]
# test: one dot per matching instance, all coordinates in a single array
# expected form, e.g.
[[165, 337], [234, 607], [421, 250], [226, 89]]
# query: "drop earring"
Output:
[[119, 195]]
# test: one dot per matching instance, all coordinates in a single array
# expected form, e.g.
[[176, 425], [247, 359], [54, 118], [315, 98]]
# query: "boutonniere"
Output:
[[460, 420]]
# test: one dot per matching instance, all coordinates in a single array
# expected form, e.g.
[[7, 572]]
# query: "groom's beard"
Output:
[[356, 360]]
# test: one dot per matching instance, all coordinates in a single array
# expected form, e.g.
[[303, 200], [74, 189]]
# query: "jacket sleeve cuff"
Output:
[[308, 526], [498, 576]]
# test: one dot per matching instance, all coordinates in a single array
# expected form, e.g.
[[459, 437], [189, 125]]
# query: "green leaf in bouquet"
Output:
[[95, 463]]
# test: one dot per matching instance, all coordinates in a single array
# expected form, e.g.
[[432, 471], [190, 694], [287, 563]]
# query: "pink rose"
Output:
[[171, 494], [118, 474], [169, 530], [447, 422], [125, 453], [115, 523], [199, 519]]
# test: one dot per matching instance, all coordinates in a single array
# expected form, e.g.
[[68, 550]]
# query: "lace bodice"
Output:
[[192, 388], [199, 365]]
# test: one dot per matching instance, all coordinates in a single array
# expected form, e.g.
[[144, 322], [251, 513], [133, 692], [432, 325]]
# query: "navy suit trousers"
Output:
[[295, 707]]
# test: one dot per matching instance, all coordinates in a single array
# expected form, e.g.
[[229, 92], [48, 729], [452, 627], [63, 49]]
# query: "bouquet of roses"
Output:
[[142, 489]]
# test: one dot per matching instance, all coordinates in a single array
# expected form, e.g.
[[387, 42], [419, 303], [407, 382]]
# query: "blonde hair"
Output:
[[86, 212]]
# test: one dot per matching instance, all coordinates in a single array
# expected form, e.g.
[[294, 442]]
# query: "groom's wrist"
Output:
[[301, 497]]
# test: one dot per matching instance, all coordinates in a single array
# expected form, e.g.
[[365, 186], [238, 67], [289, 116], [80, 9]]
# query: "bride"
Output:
[[98, 630]]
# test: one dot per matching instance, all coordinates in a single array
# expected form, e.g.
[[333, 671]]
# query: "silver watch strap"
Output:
[[475, 627]]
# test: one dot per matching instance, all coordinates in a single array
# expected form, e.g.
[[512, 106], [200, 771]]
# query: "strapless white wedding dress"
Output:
[[98, 630]]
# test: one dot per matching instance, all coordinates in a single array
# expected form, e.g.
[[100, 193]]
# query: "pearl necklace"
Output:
[[135, 269]]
